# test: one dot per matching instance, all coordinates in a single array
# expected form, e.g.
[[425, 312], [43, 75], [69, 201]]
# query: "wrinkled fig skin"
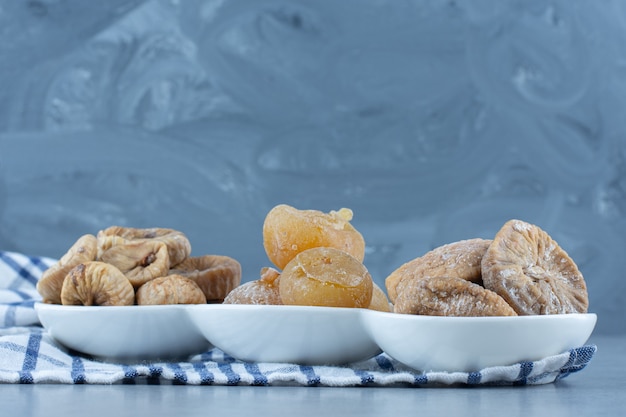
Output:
[[216, 275], [263, 291], [460, 259], [450, 296], [172, 289], [178, 246], [51, 282], [139, 261], [532, 273], [97, 284]]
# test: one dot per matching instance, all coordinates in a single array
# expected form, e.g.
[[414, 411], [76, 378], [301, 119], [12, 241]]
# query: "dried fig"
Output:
[[264, 291], [172, 289], [460, 259], [450, 296], [51, 282], [216, 275], [178, 246], [140, 261], [98, 284], [532, 273]]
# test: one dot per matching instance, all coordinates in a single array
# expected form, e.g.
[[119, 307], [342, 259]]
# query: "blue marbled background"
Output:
[[434, 121]]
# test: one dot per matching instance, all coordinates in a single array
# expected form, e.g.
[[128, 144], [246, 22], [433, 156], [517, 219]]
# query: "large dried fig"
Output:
[[450, 296], [216, 275], [172, 289], [97, 284], [263, 291], [532, 273], [49, 286], [460, 259], [178, 246], [140, 261]]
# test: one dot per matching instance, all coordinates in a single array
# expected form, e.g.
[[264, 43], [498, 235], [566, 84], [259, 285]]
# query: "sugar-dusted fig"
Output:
[[216, 275], [326, 277], [460, 259], [263, 291], [178, 246], [49, 286], [450, 296], [97, 284], [172, 289], [527, 268], [140, 261], [288, 231]]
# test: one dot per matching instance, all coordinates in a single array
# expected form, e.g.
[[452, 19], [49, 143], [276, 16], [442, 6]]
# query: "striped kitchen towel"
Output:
[[29, 355]]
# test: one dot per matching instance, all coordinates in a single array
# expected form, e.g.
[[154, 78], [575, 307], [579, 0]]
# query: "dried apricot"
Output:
[[527, 268], [288, 231], [324, 276], [379, 301]]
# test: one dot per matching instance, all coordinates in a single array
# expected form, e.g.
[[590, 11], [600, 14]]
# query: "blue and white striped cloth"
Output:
[[29, 355]]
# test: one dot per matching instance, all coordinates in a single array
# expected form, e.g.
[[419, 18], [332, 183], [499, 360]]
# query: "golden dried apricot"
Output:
[[288, 231], [97, 284], [379, 301], [527, 268], [450, 296], [51, 282], [172, 289], [323, 276], [263, 291], [460, 259]]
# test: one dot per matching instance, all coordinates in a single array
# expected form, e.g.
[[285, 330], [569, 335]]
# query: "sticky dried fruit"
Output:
[[460, 259], [527, 268], [97, 284], [172, 289], [288, 231], [263, 291], [51, 282], [379, 302], [326, 277], [178, 246], [140, 261], [450, 296], [216, 275]]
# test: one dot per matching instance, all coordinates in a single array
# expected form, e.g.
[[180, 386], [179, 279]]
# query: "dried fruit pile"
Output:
[[321, 258], [522, 271], [127, 266]]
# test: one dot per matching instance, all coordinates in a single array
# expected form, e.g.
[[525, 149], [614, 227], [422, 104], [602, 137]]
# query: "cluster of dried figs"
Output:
[[127, 266], [522, 271], [319, 260]]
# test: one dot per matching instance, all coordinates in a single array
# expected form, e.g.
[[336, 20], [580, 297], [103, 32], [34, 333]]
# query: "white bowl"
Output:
[[291, 334], [468, 344], [124, 334]]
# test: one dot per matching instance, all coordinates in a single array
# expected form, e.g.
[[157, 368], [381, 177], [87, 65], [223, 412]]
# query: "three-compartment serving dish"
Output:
[[311, 335]]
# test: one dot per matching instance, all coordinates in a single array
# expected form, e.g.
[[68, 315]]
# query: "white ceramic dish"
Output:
[[294, 334], [124, 334], [473, 343]]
